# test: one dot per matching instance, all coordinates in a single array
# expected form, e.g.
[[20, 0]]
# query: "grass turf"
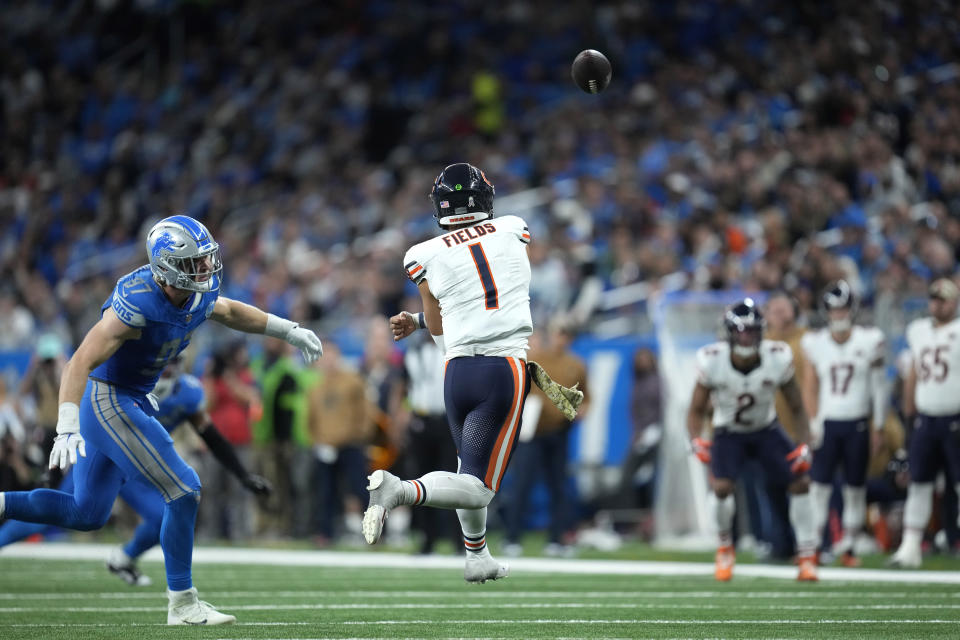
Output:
[[79, 600]]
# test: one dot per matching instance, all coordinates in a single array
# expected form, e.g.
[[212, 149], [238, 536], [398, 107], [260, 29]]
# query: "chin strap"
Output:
[[745, 352]]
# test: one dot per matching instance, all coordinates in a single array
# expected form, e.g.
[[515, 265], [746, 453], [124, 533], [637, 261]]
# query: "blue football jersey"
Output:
[[185, 399], [165, 330]]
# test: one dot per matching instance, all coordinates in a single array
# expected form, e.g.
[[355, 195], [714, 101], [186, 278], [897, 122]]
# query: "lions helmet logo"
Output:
[[163, 242]]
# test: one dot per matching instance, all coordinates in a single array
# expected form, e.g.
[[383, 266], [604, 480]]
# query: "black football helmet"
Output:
[[744, 325], [462, 194], [839, 296]]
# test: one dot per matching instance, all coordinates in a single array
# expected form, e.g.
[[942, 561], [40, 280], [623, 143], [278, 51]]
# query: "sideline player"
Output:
[[148, 319], [475, 284], [842, 383], [931, 400], [740, 376], [180, 399]]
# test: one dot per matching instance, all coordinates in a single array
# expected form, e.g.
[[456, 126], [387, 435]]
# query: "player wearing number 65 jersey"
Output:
[[475, 283], [740, 376], [931, 397], [843, 383]]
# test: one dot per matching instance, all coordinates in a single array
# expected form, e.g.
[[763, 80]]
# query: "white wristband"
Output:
[[68, 418], [278, 327]]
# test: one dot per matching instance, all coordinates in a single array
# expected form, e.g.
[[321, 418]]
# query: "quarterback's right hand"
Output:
[[701, 449], [68, 440], [403, 324]]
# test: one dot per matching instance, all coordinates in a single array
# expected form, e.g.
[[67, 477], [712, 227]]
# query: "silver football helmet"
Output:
[[184, 255]]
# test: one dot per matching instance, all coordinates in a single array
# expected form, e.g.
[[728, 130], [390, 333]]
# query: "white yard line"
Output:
[[482, 621], [495, 595], [487, 606], [277, 557]]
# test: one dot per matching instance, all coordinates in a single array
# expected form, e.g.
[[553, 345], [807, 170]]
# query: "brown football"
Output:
[[591, 71]]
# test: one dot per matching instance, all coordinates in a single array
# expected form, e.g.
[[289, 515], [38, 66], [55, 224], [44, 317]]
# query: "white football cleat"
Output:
[[187, 608], [482, 566], [906, 558], [385, 494], [120, 565]]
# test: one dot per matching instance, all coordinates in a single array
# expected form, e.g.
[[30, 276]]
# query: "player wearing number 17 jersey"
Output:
[[843, 384], [740, 376], [931, 395], [475, 284]]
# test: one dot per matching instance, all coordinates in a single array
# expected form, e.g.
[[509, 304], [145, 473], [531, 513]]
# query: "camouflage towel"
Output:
[[564, 398]]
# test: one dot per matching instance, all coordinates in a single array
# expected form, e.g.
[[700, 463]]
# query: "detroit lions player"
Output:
[[148, 319], [180, 399], [474, 280], [741, 375]]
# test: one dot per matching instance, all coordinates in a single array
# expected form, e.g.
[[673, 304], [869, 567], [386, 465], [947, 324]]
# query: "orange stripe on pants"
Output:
[[507, 431]]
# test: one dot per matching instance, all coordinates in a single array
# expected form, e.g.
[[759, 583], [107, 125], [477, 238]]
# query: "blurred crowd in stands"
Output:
[[758, 145]]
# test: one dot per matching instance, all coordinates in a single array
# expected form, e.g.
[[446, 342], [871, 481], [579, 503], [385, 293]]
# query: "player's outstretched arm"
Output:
[[226, 455], [249, 319], [101, 342]]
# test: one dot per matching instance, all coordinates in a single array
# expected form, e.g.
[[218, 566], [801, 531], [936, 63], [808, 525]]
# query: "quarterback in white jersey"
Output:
[[741, 377], [475, 284], [843, 384], [931, 398], [481, 276]]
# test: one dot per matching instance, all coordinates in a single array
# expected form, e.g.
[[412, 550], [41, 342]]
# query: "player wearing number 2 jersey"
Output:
[[843, 383], [740, 376], [931, 395], [475, 284]]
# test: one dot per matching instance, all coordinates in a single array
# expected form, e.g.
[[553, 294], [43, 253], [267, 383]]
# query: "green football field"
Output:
[[77, 599]]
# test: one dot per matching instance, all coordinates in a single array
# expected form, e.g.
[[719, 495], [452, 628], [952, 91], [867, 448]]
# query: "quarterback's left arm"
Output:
[[226, 455], [431, 313], [249, 319]]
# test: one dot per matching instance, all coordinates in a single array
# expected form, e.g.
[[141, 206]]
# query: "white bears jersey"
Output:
[[844, 370], [936, 360], [480, 275], [744, 402]]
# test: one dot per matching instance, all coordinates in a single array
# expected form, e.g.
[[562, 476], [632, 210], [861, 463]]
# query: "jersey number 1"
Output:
[[486, 276]]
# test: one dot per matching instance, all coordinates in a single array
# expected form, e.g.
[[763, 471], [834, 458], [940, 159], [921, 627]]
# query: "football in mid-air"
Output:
[[591, 71]]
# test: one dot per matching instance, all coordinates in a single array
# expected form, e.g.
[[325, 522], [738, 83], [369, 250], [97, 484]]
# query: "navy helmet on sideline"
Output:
[[462, 194], [839, 296], [744, 326]]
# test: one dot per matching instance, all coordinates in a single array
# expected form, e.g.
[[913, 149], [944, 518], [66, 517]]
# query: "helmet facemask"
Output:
[[197, 273]]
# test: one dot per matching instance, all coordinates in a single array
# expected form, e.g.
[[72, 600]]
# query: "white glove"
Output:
[[303, 339], [68, 440], [307, 341]]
